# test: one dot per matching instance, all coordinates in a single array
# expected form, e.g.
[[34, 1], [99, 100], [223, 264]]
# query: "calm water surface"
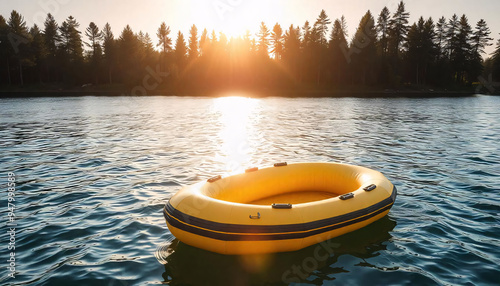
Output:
[[93, 174]]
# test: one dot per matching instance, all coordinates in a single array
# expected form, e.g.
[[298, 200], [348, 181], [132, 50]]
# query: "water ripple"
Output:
[[93, 174]]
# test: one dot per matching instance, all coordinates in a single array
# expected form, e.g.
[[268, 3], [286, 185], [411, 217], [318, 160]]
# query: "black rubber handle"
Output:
[[282, 206], [370, 188], [347, 196]]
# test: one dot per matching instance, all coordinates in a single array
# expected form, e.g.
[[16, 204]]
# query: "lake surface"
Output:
[[93, 174]]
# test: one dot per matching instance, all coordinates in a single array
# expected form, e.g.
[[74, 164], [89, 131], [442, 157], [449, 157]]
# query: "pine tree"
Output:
[[338, 35], [19, 39], [398, 29], [307, 47], [204, 42], [306, 34], [51, 35], [193, 43], [107, 37], [480, 39], [128, 41], [277, 41], [496, 62], [263, 45], [213, 37], [5, 49], [17, 25], [71, 40], [338, 42], [128, 51], [247, 42], [363, 62], [253, 46], [95, 36], [51, 38], [420, 48], [291, 49], [441, 36], [321, 26], [148, 44], [451, 35], [343, 24], [291, 40], [314, 46], [149, 52], [430, 51], [164, 40], [140, 36], [383, 30], [108, 43], [180, 50], [38, 50], [146, 48], [165, 43], [461, 51]]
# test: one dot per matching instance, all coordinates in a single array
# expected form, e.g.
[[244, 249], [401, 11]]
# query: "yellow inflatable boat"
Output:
[[282, 208]]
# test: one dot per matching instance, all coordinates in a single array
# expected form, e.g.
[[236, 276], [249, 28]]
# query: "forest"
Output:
[[385, 52]]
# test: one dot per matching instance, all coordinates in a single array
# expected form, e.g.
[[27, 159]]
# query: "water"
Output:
[[93, 174]]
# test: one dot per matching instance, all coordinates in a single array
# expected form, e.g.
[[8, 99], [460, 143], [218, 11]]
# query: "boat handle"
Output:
[[347, 196], [255, 216], [213, 179], [370, 187], [281, 164], [251, 169], [282, 206]]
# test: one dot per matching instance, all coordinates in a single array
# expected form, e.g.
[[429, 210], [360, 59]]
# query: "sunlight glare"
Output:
[[235, 17], [238, 117]]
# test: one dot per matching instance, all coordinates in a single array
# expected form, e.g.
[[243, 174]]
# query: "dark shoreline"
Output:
[[256, 94]]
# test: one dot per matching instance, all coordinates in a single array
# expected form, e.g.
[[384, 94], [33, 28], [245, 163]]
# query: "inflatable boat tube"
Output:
[[277, 209]]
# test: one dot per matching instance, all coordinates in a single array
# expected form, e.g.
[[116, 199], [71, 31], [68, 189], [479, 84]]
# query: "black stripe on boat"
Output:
[[236, 232]]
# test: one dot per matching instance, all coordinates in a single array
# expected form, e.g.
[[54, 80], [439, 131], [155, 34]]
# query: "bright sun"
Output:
[[235, 17]]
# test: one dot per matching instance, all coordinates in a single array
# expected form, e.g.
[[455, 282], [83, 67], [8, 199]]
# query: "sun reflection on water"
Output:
[[238, 119]]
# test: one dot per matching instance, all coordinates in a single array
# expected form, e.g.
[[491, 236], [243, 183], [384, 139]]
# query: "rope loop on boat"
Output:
[[254, 216]]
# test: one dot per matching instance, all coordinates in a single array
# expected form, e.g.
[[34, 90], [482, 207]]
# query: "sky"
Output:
[[234, 17]]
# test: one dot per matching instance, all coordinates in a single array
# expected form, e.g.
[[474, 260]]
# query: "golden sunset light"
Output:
[[250, 142], [238, 118]]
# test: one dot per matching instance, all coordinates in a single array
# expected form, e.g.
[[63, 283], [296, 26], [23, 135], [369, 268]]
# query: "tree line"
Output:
[[385, 52]]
